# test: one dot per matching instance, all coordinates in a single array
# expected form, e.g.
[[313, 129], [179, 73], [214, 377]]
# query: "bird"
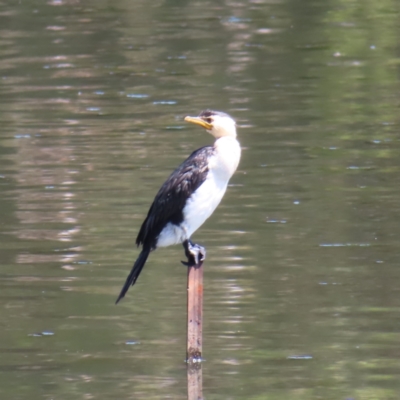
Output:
[[190, 194]]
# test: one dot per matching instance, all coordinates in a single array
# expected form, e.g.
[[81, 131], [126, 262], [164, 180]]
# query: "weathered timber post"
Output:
[[195, 331], [195, 314]]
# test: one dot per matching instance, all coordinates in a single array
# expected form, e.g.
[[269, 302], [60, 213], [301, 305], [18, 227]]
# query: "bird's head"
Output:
[[217, 123]]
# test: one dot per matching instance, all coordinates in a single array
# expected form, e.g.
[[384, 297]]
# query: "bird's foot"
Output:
[[195, 253]]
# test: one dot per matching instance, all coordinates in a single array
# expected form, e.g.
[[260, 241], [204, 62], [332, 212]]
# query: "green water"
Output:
[[302, 279]]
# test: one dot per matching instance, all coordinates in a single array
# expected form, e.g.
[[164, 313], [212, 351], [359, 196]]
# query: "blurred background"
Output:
[[302, 279]]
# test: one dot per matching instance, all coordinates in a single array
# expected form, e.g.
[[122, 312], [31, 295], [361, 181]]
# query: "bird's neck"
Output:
[[227, 156]]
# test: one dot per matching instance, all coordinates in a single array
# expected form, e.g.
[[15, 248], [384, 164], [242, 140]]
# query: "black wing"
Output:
[[171, 198]]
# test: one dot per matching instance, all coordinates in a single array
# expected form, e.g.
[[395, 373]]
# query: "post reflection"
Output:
[[195, 381]]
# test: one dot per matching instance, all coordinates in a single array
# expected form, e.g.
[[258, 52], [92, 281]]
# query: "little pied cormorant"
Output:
[[190, 195]]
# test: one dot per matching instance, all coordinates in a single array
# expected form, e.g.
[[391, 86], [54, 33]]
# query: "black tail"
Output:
[[134, 274]]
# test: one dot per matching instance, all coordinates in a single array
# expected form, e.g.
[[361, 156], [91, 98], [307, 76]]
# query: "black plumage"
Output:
[[210, 113], [171, 198], [168, 206], [135, 272]]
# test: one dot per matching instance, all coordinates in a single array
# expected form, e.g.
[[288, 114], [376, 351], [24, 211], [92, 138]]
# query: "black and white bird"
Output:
[[190, 195]]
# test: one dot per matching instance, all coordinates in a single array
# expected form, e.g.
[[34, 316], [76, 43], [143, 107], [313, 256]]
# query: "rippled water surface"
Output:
[[302, 280]]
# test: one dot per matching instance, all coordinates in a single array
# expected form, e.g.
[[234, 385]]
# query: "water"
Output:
[[301, 297]]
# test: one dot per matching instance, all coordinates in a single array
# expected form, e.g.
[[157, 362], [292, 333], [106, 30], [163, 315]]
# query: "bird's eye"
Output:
[[208, 120]]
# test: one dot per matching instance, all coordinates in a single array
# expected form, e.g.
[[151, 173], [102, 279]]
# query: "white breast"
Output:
[[202, 203], [205, 200], [227, 157]]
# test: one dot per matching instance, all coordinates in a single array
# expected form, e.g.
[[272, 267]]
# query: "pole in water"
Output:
[[195, 382], [195, 314], [195, 332]]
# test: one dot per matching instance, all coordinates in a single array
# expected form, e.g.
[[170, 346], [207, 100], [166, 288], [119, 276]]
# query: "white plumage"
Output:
[[203, 202], [191, 194]]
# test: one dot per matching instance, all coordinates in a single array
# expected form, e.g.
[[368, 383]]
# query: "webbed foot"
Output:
[[194, 253]]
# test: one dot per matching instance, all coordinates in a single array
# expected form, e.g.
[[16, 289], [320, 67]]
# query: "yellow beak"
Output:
[[199, 121]]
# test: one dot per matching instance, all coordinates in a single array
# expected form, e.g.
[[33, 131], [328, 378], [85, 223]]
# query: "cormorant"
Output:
[[190, 194]]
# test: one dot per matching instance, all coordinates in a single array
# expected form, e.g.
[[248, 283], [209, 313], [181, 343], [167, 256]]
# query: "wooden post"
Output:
[[195, 331], [195, 314]]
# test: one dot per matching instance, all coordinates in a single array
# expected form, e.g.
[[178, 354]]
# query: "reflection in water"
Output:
[[301, 281], [195, 382]]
